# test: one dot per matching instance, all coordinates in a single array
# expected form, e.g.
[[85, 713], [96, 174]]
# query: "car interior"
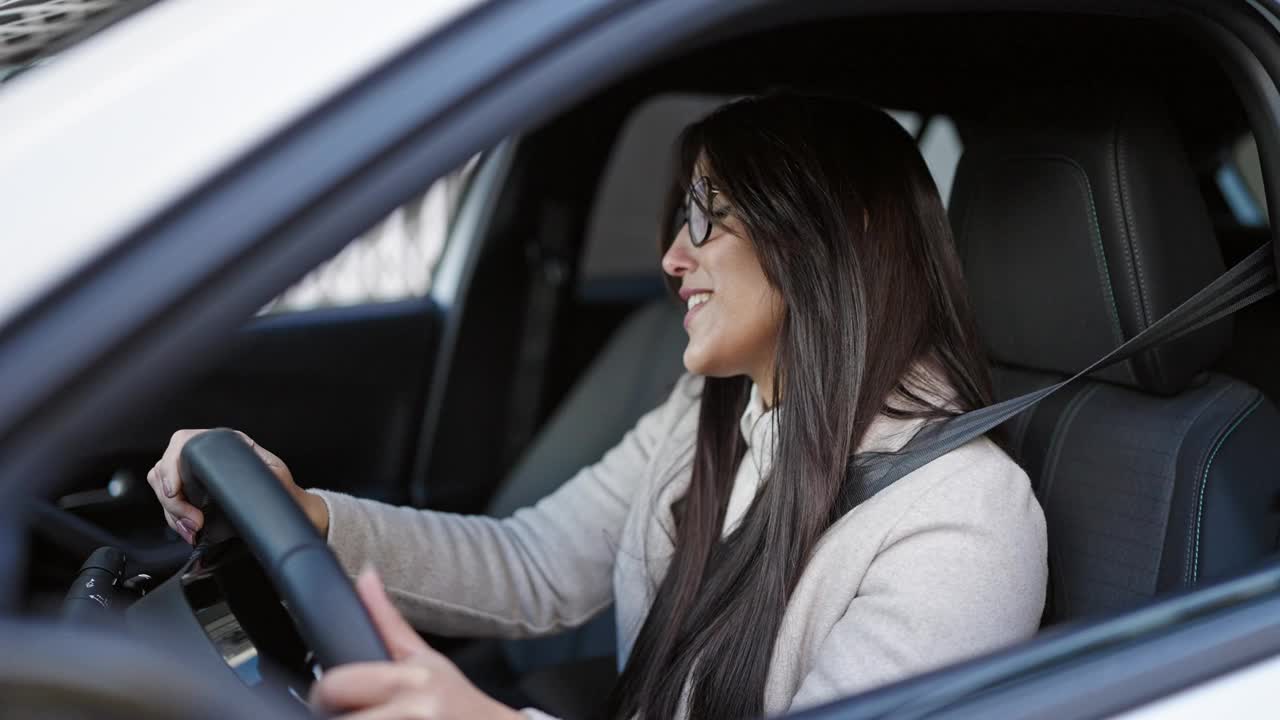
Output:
[[1097, 172]]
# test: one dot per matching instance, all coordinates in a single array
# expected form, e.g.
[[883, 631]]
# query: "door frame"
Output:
[[231, 245]]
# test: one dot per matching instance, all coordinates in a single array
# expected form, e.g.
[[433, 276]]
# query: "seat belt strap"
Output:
[[1247, 282]]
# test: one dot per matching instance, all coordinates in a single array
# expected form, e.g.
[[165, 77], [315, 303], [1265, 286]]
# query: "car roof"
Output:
[[136, 117]]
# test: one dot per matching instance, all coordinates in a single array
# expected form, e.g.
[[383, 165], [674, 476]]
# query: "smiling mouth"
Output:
[[694, 304]]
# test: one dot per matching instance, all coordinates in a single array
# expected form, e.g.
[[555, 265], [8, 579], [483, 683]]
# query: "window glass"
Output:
[[939, 143], [941, 147], [394, 260], [1240, 180], [909, 120]]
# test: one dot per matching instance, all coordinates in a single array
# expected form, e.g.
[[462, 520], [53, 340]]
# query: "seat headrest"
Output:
[[622, 232], [1079, 223]]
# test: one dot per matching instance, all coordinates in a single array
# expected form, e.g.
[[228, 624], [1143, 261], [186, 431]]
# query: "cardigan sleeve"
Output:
[[962, 573], [545, 568]]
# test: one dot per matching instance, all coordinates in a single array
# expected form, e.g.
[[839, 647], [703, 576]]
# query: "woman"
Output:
[[827, 320]]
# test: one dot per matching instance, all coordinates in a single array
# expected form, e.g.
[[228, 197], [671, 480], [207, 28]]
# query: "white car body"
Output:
[[99, 140], [103, 136]]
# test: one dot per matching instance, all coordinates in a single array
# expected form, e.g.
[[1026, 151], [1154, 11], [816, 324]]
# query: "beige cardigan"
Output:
[[946, 563]]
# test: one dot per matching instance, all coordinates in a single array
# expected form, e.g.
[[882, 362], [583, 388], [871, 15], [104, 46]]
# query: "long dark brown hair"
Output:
[[848, 226]]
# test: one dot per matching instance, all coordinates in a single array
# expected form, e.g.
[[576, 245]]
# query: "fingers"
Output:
[[420, 683], [165, 480], [169, 469], [359, 685], [272, 461], [401, 639], [183, 527], [182, 516], [405, 708]]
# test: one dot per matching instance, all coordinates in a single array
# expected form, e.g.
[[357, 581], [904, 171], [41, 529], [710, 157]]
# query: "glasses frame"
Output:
[[695, 208]]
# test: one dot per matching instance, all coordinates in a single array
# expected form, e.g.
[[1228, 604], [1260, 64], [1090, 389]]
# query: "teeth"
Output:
[[696, 300]]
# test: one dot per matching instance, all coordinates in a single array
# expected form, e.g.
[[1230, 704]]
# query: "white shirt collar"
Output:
[[758, 425]]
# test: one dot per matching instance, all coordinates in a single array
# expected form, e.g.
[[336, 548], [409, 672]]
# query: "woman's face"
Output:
[[732, 312]]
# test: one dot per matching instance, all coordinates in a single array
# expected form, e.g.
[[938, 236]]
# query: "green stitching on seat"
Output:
[[1101, 253], [1204, 481]]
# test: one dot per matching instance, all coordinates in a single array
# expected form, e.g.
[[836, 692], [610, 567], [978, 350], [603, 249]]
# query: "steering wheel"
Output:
[[222, 474]]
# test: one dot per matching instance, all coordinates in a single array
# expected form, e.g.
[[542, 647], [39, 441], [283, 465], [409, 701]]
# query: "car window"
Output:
[[1239, 177], [939, 143], [941, 147], [394, 260]]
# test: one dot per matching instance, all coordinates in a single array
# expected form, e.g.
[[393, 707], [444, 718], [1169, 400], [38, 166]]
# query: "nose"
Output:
[[678, 261]]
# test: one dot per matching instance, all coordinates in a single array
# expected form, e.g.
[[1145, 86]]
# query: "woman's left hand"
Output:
[[419, 682]]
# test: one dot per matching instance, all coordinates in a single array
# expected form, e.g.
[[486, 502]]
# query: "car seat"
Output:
[[1079, 223]]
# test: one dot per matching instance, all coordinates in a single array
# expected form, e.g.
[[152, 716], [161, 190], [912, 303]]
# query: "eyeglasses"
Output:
[[698, 211]]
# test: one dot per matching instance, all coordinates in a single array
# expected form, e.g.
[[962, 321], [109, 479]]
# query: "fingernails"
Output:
[[168, 487], [187, 528]]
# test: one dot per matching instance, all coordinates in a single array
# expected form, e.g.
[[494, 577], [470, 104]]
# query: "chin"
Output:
[[696, 362], [692, 365], [700, 363]]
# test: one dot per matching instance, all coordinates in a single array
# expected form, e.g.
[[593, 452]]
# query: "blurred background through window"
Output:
[[394, 260]]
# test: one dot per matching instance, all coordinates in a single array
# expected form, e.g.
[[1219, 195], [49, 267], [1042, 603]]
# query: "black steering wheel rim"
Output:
[[220, 470]]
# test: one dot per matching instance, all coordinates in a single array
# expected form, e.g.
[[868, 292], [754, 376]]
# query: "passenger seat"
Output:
[[1079, 222]]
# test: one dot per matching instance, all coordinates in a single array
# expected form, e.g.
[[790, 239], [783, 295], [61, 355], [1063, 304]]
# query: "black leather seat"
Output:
[[1079, 222]]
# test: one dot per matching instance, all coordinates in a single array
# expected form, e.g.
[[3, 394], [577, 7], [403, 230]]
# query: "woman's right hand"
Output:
[[186, 519]]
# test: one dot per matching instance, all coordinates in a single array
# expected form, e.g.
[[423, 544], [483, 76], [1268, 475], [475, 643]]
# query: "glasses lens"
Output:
[[699, 224]]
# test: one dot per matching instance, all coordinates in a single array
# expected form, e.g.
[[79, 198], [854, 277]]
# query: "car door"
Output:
[[332, 376], [214, 300]]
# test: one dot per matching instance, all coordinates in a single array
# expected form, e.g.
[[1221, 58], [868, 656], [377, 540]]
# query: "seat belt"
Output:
[[1247, 282]]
